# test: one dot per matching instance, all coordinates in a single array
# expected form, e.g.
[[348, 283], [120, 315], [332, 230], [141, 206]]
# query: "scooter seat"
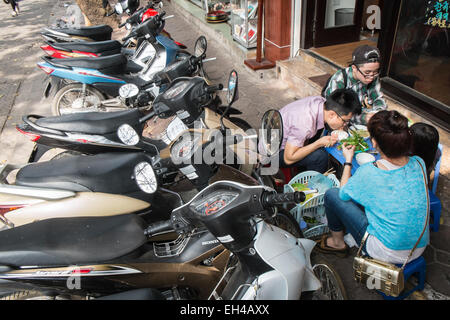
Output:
[[71, 241], [98, 33], [109, 47], [104, 172], [91, 122], [113, 64], [130, 67]]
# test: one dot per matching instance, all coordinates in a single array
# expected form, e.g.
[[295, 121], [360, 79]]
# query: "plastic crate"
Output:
[[316, 231], [313, 207]]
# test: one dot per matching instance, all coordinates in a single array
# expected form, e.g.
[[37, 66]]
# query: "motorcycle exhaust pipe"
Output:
[[114, 102]]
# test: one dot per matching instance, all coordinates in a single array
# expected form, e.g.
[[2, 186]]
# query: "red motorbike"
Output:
[[56, 47]]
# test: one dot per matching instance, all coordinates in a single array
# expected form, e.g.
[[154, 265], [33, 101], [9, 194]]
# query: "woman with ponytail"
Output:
[[386, 198]]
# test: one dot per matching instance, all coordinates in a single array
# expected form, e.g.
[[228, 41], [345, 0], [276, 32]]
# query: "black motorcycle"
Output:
[[185, 103]]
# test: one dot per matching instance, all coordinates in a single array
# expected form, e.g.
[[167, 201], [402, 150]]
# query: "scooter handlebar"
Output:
[[158, 227], [271, 199], [211, 89], [132, 34]]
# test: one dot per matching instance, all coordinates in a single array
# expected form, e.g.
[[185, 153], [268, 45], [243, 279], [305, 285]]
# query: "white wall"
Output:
[[296, 26]]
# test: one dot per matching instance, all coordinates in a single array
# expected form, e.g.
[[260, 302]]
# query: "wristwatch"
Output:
[[348, 164]]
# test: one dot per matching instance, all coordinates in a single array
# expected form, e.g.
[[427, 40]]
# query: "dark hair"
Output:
[[390, 131], [343, 101], [425, 140]]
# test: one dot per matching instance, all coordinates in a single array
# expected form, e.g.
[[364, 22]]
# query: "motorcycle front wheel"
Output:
[[284, 220], [332, 285], [73, 98]]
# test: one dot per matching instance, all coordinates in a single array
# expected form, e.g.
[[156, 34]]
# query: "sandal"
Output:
[[324, 248]]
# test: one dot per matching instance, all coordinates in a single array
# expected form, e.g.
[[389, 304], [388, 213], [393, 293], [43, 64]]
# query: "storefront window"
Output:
[[421, 54]]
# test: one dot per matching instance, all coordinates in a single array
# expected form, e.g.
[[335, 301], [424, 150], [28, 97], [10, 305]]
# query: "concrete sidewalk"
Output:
[[21, 81]]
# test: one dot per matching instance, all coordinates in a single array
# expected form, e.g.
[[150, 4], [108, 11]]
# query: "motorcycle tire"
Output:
[[332, 285], [286, 221], [70, 95]]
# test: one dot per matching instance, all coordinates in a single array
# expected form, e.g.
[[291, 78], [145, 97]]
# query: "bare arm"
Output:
[[293, 153], [348, 152]]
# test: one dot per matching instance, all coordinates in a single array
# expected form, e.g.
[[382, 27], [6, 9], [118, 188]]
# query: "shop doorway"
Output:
[[339, 26]]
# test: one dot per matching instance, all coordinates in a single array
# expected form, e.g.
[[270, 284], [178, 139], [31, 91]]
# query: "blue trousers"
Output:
[[346, 215], [316, 161]]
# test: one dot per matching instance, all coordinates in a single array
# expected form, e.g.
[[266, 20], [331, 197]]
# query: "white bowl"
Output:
[[341, 134], [364, 157], [362, 128], [358, 127]]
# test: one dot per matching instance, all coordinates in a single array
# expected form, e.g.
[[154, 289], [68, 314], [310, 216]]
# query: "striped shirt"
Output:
[[371, 91]]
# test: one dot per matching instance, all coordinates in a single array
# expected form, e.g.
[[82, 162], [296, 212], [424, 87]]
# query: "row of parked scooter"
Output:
[[127, 210]]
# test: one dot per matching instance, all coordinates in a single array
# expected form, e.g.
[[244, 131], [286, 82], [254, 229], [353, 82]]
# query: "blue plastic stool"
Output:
[[416, 267], [435, 211], [435, 203]]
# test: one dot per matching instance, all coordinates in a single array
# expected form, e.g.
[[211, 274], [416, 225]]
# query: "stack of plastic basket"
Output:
[[313, 207]]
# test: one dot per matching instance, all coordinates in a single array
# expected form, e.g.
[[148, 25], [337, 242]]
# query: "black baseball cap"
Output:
[[366, 54]]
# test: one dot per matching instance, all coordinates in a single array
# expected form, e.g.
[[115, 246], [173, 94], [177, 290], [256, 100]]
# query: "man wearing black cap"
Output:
[[362, 77]]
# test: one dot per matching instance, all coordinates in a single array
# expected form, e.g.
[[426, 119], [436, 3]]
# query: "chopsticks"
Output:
[[329, 171]]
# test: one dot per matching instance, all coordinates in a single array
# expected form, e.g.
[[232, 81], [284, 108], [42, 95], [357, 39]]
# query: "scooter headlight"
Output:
[[145, 177], [175, 90], [128, 135], [128, 90]]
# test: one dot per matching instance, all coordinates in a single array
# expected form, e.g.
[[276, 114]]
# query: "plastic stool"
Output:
[[435, 203], [287, 174], [435, 210], [416, 267]]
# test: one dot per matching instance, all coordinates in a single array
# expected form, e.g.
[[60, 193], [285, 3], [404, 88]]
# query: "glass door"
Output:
[[421, 53], [337, 21]]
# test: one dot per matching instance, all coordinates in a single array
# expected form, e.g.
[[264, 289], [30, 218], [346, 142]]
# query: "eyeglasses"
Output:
[[346, 122], [370, 74]]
